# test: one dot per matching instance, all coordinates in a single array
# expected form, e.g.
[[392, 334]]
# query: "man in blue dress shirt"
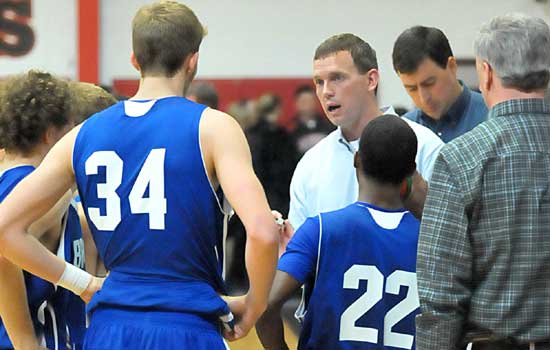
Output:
[[424, 61]]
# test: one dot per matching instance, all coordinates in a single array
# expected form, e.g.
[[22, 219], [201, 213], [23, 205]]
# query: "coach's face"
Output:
[[432, 88], [341, 89]]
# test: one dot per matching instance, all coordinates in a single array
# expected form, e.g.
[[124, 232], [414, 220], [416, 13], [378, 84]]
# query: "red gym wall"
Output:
[[232, 90]]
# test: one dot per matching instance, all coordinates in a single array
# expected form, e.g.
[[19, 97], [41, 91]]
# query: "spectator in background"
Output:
[[203, 93], [311, 126], [244, 112], [483, 250], [274, 155], [424, 61]]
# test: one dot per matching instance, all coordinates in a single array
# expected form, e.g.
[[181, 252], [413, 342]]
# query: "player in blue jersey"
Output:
[[36, 111], [148, 172], [33, 116], [357, 263]]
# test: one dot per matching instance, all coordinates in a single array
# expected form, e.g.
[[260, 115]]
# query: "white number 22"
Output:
[[348, 329], [150, 175]]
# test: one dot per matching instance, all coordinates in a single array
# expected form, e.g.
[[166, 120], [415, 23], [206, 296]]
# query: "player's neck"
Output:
[[159, 87], [382, 195], [12, 160]]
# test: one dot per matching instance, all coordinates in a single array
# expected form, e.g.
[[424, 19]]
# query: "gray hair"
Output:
[[518, 48]]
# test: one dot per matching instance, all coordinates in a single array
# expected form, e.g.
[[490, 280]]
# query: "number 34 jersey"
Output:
[[358, 265], [154, 216]]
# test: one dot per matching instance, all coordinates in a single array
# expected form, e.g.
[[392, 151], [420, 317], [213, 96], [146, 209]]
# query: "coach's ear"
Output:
[[356, 161], [134, 62]]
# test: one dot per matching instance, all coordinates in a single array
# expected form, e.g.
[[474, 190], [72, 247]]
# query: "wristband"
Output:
[[406, 188], [74, 279], [228, 322]]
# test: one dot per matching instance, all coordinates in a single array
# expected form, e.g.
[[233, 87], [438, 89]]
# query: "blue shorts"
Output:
[[112, 329]]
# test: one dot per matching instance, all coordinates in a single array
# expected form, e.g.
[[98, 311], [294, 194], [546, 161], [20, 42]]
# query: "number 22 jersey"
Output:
[[358, 265]]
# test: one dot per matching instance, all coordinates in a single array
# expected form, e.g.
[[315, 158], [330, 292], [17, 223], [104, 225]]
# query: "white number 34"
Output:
[[348, 329], [150, 175]]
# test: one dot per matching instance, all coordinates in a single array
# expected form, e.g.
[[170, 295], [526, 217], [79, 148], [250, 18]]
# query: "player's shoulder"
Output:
[[218, 121]]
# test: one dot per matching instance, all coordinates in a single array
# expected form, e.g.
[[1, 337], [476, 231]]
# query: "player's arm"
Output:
[[94, 265], [226, 151], [14, 307], [31, 199], [270, 326], [50, 223], [296, 266]]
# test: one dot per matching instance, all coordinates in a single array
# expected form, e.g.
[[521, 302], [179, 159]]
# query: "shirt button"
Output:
[[439, 133]]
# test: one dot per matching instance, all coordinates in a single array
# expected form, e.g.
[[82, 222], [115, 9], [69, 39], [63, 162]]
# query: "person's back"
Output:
[[487, 217], [151, 207], [366, 254]]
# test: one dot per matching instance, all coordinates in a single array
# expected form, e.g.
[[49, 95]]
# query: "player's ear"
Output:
[[193, 63], [134, 62], [356, 161]]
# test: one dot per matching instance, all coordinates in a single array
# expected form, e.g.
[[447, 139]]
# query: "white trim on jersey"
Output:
[[301, 311], [136, 108], [319, 247], [384, 219], [51, 311]]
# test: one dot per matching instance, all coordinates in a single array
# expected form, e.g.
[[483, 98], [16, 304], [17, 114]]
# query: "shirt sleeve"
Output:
[[300, 257], [298, 211], [444, 263], [429, 146]]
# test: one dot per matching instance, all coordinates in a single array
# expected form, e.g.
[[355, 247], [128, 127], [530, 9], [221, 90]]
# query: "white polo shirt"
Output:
[[325, 178]]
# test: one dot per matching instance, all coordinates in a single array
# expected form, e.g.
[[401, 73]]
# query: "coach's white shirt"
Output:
[[325, 178]]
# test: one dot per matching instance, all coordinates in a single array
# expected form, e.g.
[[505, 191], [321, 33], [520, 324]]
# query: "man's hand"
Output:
[[95, 284], [286, 231], [246, 314]]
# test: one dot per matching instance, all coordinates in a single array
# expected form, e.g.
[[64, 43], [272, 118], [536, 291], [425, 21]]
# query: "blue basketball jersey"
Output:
[[359, 269], [67, 312], [154, 216], [49, 323], [38, 290]]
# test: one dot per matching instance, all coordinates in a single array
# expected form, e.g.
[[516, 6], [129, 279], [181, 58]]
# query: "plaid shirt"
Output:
[[484, 248]]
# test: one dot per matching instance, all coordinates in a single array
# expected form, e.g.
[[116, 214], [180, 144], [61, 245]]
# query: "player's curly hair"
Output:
[[30, 103]]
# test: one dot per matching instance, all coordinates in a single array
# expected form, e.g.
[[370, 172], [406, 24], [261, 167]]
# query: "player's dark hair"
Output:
[[387, 149], [30, 103], [417, 43], [164, 34]]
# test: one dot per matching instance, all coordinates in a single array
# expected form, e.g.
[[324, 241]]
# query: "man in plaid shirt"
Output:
[[483, 262]]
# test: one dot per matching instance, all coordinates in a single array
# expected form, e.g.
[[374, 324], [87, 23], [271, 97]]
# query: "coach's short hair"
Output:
[[30, 103], [387, 149], [518, 48], [418, 43], [364, 56], [164, 34]]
